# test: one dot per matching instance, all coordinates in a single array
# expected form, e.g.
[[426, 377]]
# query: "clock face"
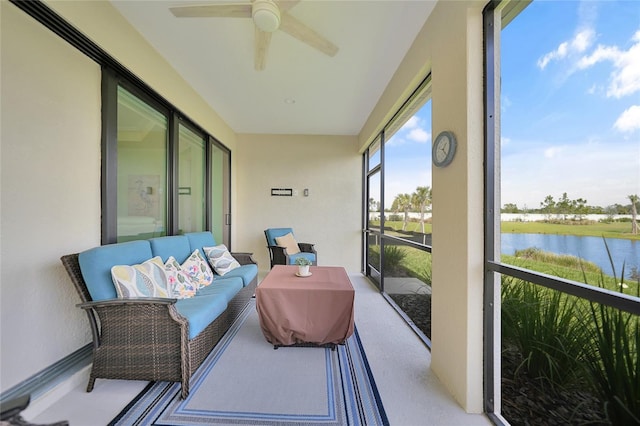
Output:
[[444, 148]]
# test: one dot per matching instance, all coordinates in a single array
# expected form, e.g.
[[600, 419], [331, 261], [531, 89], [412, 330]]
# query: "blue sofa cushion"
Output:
[[227, 287], [197, 240], [201, 311], [293, 257], [176, 246], [246, 272], [96, 264]]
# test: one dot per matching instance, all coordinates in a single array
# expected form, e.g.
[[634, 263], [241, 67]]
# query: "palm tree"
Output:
[[402, 203], [634, 213], [422, 199]]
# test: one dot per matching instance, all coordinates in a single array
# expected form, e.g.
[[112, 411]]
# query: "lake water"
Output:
[[588, 248]]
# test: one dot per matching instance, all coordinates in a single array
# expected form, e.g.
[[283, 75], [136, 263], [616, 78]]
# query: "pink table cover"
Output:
[[316, 309]]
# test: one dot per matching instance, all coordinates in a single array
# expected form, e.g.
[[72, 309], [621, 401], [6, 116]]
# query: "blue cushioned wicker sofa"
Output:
[[156, 338]]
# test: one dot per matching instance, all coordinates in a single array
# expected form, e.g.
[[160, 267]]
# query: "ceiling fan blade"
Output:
[[297, 29], [224, 10], [285, 5], [262, 41]]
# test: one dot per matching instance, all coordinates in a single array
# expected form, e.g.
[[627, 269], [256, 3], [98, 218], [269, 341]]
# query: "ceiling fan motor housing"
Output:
[[266, 15]]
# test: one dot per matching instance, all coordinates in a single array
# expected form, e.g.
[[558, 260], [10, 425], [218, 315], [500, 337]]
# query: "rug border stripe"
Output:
[[347, 368]]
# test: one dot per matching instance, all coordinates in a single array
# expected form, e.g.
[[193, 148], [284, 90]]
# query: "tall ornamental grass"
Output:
[[613, 359], [571, 343], [543, 326]]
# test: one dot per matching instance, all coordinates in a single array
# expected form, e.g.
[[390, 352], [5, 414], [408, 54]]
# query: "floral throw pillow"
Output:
[[147, 279], [196, 266], [220, 258], [181, 284]]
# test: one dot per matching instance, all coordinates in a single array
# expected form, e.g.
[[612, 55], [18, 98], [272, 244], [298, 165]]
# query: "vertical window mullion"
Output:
[[109, 161], [492, 294]]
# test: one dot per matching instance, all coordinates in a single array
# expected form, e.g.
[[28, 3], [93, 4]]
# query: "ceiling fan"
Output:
[[268, 16]]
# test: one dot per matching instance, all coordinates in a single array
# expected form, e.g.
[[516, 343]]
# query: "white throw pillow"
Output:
[[198, 269], [180, 283], [289, 242], [147, 279], [220, 258]]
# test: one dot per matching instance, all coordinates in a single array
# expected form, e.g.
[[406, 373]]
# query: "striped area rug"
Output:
[[244, 381]]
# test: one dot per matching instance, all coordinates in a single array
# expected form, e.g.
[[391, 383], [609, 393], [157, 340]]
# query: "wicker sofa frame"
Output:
[[148, 339]]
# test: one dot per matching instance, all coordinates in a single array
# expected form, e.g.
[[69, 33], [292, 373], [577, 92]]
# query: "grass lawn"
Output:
[[607, 230]]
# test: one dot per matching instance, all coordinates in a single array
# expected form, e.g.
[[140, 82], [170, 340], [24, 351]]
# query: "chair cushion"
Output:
[[220, 258], [288, 242], [147, 279], [198, 268], [310, 256], [96, 264], [247, 272], [272, 233], [201, 311], [226, 287], [180, 283]]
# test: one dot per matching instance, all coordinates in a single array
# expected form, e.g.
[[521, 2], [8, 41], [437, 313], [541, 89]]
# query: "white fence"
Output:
[[511, 217]]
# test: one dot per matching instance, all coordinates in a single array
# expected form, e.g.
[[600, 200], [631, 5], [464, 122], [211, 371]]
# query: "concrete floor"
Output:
[[411, 393]]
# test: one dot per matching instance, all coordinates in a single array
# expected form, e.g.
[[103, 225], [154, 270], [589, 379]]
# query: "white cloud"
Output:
[[625, 77], [419, 135], [629, 120], [552, 152], [580, 42], [411, 123]]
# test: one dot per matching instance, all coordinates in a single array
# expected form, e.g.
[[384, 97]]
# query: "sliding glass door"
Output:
[[161, 173], [141, 168], [220, 182]]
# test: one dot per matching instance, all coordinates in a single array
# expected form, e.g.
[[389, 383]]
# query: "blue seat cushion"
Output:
[[273, 233], [201, 311], [293, 257], [95, 265], [197, 240], [175, 245], [246, 272], [223, 287]]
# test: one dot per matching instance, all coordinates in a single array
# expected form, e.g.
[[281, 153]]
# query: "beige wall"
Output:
[[50, 192], [450, 46], [330, 217]]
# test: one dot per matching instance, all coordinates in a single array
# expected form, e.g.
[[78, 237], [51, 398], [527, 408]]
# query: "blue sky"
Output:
[[570, 108], [571, 102]]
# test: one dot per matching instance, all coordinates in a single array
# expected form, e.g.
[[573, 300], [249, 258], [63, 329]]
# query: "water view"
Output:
[[589, 248]]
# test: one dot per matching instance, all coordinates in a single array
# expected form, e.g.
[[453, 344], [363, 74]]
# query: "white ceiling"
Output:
[[333, 95]]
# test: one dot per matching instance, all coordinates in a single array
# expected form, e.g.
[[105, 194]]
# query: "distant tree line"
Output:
[[418, 201], [567, 207]]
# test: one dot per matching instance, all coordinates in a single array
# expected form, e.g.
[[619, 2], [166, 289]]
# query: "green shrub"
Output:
[[565, 260], [393, 257]]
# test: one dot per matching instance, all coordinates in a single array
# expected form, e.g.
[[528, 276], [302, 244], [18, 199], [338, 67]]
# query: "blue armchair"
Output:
[[289, 249]]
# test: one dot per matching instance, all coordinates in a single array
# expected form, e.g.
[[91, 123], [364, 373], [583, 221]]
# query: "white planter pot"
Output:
[[303, 269]]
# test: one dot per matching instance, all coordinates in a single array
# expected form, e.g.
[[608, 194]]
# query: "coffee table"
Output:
[[306, 311]]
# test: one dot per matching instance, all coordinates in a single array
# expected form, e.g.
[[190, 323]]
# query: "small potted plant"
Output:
[[303, 266]]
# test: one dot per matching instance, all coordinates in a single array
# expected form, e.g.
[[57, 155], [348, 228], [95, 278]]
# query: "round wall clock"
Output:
[[444, 149]]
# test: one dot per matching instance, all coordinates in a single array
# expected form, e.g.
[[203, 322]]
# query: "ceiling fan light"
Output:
[[266, 15]]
